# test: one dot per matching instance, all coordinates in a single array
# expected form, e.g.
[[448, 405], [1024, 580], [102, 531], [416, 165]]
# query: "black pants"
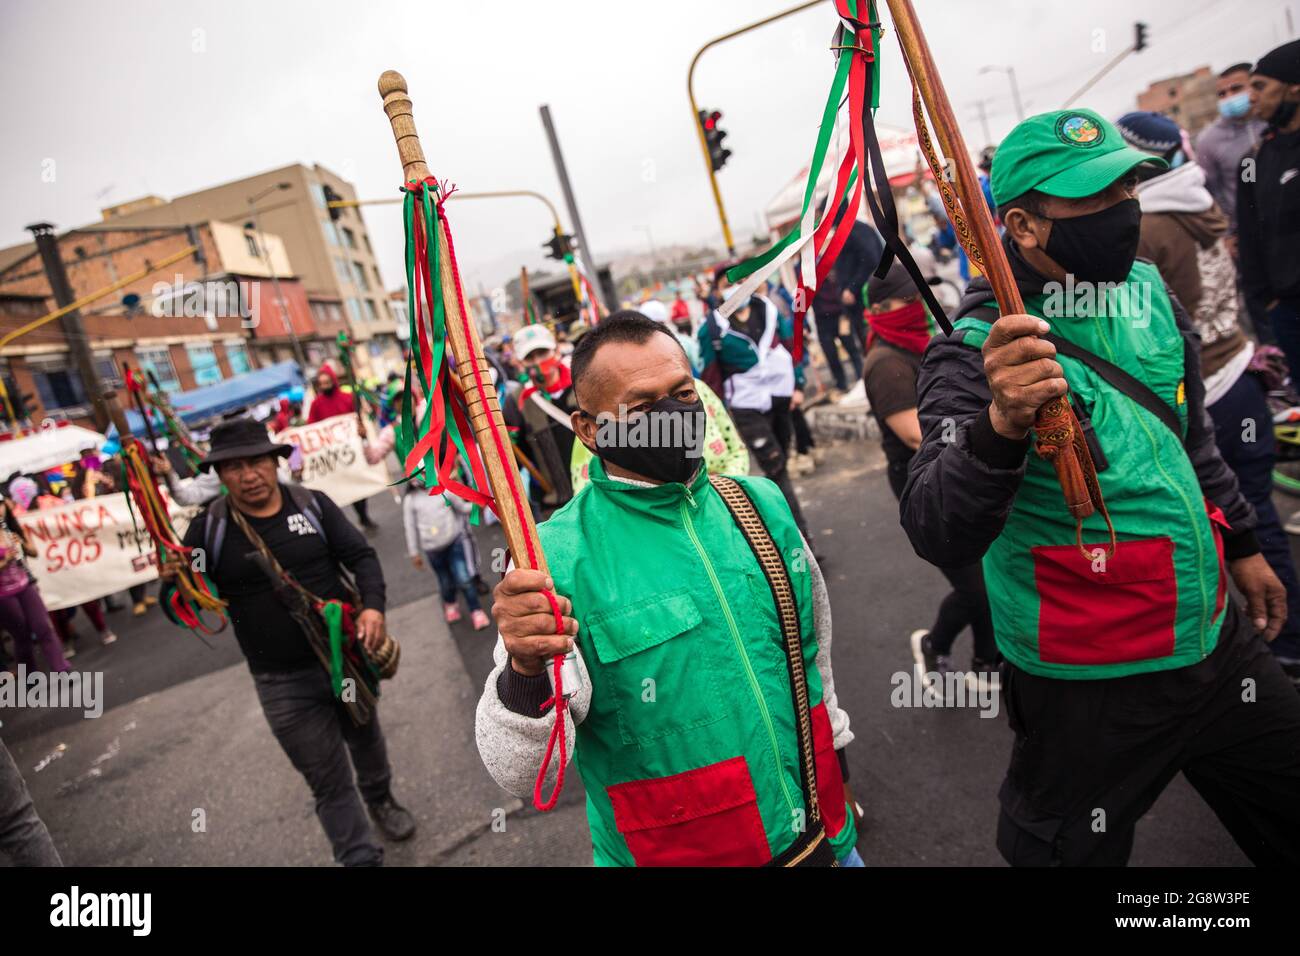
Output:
[[967, 604], [1091, 756], [318, 736], [759, 432], [828, 331], [363, 512]]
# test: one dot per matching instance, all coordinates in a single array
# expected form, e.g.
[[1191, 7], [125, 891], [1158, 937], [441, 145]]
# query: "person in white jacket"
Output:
[[435, 532]]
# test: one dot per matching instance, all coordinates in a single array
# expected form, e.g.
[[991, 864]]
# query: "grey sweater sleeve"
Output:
[[510, 730], [822, 622]]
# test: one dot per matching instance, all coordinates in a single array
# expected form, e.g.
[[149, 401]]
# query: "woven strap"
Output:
[[787, 613]]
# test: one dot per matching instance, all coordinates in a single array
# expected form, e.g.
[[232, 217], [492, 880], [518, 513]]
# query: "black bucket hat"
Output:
[[241, 438]]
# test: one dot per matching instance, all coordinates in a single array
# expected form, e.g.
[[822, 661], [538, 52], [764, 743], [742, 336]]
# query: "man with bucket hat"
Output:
[[252, 540], [1127, 661]]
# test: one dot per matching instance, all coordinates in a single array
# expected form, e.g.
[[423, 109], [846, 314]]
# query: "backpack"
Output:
[[217, 518]]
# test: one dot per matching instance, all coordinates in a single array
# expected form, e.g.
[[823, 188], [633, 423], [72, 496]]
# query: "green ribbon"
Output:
[[332, 611]]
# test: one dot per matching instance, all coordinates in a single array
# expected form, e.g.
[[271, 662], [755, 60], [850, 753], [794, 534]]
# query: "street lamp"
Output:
[[1010, 71], [275, 279]]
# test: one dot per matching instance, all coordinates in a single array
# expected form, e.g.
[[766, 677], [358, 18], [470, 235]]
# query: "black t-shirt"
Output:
[[889, 374], [268, 635]]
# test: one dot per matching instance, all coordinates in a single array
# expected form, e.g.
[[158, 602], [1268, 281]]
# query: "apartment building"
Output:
[[333, 259]]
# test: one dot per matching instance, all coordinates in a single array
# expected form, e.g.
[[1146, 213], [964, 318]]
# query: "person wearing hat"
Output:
[[312, 540], [545, 403], [1268, 200], [1183, 235], [1124, 665], [898, 330]]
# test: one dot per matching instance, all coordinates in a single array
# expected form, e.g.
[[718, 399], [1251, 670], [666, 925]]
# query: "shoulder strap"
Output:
[[787, 612], [1121, 381], [214, 532]]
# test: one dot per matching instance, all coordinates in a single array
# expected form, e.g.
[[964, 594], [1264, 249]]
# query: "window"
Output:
[[371, 313], [251, 241], [237, 356], [359, 274], [107, 369], [349, 237], [318, 193], [354, 311], [57, 382], [159, 361], [203, 362], [331, 233], [341, 270]]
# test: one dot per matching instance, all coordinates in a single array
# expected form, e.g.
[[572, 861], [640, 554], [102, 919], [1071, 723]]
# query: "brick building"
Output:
[[1189, 100], [207, 317]]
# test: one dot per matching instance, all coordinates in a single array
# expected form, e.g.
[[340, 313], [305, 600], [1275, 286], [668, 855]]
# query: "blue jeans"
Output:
[[1252, 462], [853, 859], [452, 567]]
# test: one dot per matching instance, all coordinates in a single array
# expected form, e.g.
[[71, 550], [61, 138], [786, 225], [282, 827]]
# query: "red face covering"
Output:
[[906, 327]]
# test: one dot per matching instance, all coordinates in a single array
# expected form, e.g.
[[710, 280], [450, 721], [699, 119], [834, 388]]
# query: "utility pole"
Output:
[[74, 330], [562, 173], [1137, 46], [984, 122], [1010, 71]]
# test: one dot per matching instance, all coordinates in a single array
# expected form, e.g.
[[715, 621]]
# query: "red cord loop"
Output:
[[557, 731]]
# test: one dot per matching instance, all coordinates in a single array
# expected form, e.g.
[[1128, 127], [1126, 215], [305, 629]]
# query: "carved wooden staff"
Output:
[[1059, 437], [484, 410]]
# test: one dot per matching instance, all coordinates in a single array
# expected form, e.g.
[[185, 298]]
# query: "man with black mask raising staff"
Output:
[[705, 723], [1127, 659]]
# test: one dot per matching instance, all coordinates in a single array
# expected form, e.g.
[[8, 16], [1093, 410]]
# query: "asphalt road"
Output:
[[926, 777]]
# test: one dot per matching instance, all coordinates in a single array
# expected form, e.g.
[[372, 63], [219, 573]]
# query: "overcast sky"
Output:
[[169, 96]]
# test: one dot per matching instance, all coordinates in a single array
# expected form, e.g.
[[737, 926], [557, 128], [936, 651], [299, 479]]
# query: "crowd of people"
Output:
[[1161, 286]]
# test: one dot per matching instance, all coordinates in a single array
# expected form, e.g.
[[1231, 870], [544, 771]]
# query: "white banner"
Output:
[[89, 549], [333, 460]]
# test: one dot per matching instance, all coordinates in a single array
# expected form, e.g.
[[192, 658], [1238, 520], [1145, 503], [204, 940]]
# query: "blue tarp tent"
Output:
[[212, 401]]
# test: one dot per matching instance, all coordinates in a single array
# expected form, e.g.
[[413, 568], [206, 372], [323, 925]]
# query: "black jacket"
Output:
[[1268, 222], [959, 493]]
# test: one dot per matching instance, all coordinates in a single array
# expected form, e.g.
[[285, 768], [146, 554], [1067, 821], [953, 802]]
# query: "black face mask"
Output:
[[1098, 247], [1284, 113], [663, 444]]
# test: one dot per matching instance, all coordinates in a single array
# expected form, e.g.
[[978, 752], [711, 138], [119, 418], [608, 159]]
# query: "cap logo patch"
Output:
[[1077, 130]]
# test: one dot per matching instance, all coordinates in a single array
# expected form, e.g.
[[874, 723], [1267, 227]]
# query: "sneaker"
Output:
[[393, 820], [139, 609], [984, 673], [69, 652], [480, 620], [451, 613], [109, 637], [802, 465], [818, 454], [931, 667], [1292, 525], [150, 600]]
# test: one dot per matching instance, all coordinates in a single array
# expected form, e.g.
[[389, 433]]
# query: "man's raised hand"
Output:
[[527, 622], [1022, 371]]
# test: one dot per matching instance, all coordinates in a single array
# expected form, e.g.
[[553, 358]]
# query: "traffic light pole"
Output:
[[562, 173], [1139, 44], [695, 110]]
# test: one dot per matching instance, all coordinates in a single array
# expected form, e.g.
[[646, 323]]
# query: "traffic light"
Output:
[[331, 196], [561, 246], [713, 137], [1139, 37]]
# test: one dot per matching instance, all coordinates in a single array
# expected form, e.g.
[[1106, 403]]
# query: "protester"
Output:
[[331, 401], [1268, 202], [435, 532], [898, 331], [743, 359], [837, 303], [680, 599], [544, 404], [1126, 666], [1183, 234], [1222, 145], [308, 536], [22, 612], [24, 840], [62, 620]]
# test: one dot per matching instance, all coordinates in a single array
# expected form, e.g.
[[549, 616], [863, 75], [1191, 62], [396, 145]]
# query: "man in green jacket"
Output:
[[684, 727], [1125, 666]]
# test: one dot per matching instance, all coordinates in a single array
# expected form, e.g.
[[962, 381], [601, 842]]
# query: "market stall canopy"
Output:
[[213, 401], [46, 448]]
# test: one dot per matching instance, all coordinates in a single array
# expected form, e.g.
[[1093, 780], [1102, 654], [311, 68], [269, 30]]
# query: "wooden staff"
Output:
[[1075, 473], [484, 411]]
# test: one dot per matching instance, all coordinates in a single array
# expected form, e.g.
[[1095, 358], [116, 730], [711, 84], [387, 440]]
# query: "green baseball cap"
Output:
[[1067, 153]]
